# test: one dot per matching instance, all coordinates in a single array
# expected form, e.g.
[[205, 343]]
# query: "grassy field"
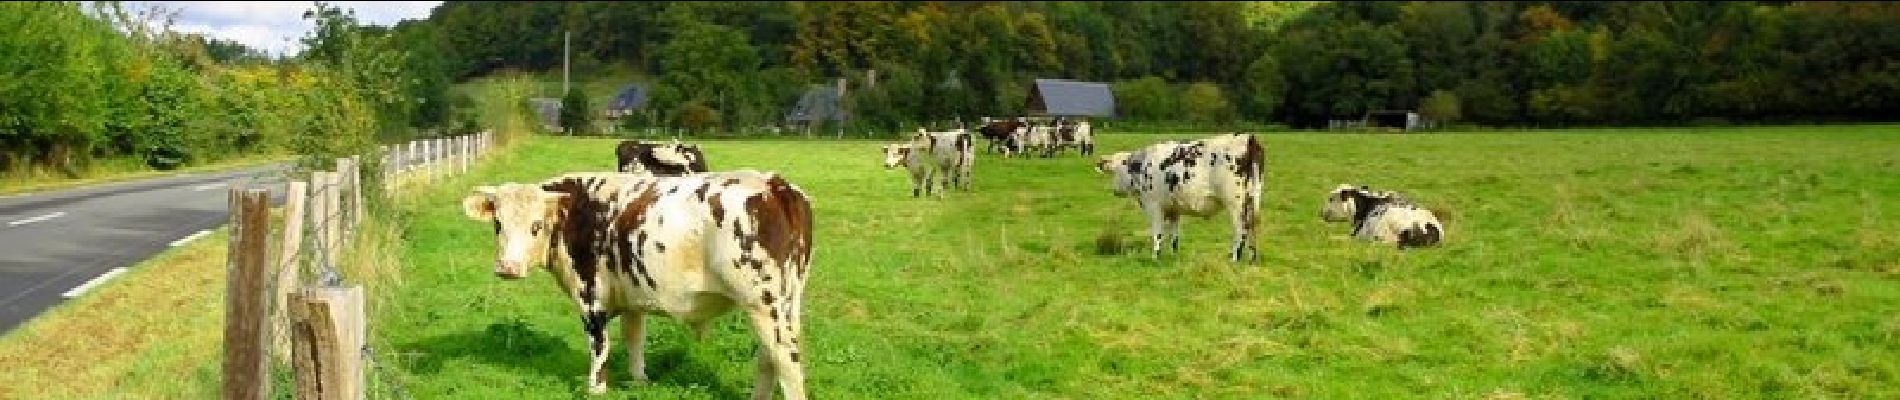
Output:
[[1722, 263]]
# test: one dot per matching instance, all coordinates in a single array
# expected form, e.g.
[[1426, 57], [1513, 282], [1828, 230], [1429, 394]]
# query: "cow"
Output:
[[1196, 178], [691, 247], [1382, 216], [1074, 134], [1000, 134], [931, 156], [1034, 139], [1084, 138], [659, 159]]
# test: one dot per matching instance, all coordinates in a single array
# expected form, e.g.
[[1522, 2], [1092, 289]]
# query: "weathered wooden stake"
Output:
[[329, 341], [247, 297], [289, 275]]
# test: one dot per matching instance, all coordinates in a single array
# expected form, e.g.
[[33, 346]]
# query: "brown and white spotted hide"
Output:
[[1001, 135], [659, 159], [1383, 217], [691, 247], [1197, 178]]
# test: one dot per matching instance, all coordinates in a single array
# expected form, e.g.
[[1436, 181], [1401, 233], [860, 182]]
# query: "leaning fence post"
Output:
[[329, 341], [356, 192], [332, 214], [288, 274], [247, 300], [343, 196]]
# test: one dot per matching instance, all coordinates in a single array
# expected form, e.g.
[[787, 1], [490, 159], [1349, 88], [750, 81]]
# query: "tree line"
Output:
[[83, 82], [1524, 63]]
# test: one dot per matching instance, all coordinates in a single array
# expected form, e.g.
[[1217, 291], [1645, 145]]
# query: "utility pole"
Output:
[[567, 44]]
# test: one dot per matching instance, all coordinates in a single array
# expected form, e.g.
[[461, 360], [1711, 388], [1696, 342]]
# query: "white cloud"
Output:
[[275, 26]]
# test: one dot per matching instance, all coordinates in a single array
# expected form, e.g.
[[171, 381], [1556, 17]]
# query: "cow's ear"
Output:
[[480, 207]]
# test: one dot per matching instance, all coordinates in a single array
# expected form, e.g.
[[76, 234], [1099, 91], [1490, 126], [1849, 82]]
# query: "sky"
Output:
[[275, 26]]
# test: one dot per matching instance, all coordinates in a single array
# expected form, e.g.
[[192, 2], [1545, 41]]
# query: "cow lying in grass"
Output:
[[1198, 178], [1384, 217], [929, 156], [692, 247], [659, 159]]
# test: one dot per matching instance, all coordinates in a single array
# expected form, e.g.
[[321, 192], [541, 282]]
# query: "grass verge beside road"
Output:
[[120, 170]]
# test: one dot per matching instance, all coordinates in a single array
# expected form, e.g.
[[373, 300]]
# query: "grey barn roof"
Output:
[[630, 97], [819, 103], [1071, 98]]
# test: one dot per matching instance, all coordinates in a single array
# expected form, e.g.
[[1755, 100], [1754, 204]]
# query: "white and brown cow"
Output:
[[692, 247], [659, 159], [1197, 178], [930, 156], [1382, 216]]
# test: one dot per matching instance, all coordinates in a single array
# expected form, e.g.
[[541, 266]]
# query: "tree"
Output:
[[1263, 88], [577, 116], [707, 65], [1440, 107], [1147, 99], [1203, 102]]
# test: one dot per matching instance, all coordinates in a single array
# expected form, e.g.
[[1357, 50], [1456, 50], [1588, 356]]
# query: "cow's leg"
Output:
[[633, 325], [1174, 232], [778, 353], [596, 323], [1246, 214], [916, 182], [767, 380], [1157, 229]]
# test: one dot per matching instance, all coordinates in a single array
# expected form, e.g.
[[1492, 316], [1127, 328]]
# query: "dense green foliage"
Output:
[[1496, 63], [82, 83], [1732, 263]]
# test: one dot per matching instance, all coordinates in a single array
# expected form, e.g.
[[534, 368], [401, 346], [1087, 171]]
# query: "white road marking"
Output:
[[188, 239], [36, 219], [75, 292], [207, 186]]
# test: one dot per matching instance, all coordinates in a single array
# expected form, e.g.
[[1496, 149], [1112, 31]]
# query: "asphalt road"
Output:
[[59, 245]]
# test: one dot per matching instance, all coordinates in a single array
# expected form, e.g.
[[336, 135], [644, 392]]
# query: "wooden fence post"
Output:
[[247, 298], [344, 208], [461, 143], [329, 341], [332, 214], [289, 276], [356, 192]]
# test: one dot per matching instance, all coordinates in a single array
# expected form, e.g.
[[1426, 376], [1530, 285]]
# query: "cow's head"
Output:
[[894, 155], [1123, 170], [525, 219], [1339, 203]]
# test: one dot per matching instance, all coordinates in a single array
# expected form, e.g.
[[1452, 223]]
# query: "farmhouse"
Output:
[[820, 103], [631, 99], [1069, 98]]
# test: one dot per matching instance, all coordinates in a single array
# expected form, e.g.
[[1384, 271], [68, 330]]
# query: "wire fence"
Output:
[[302, 306]]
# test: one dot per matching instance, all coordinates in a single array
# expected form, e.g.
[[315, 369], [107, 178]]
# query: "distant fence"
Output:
[[296, 306]]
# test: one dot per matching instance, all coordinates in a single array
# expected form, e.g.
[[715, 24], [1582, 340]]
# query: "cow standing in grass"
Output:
[[691, 247], [930, 156], [1198, 178], [1001, 135], [659, 159], [1381, 216]]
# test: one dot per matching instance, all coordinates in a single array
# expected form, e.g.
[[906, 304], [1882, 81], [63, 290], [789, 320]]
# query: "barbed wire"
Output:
[[317, 251]]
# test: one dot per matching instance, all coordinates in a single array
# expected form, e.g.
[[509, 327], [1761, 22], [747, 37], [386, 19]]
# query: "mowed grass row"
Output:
[[1727, 263]]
